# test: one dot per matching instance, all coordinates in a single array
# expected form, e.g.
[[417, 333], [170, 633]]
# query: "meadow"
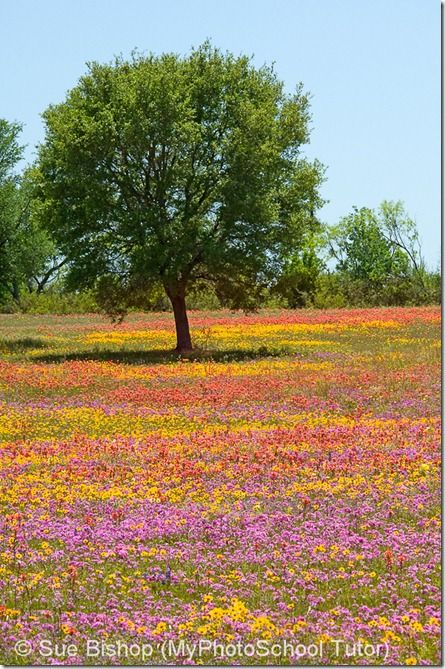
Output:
[[282, 484]]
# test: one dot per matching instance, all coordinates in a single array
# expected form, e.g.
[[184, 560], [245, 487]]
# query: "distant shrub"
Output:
[[55, 302], [9, 306], [328, 293], [329, 290], [203, 298]]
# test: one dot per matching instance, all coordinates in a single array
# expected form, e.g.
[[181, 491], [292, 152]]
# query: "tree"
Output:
[[169, 171], [378, 255], [36, 258], [401, 233], [27, 253], [362, 251], [10, 154]]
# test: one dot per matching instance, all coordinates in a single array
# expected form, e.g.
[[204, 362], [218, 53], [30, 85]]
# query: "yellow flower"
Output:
[[390, 636], [416, 626], [264, 625], [216, 613], [160, 627], [411, 660]]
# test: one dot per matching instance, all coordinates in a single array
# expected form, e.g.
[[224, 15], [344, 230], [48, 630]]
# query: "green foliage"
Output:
[[379, 259], [297, 283], [170, 171], [25, 246], [362, 251], [330, 292], [10, 154], [56, 301], [116, 298], [35, 253], [202, 296]]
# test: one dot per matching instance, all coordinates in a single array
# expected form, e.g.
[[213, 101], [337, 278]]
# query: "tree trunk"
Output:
[[183, 338]]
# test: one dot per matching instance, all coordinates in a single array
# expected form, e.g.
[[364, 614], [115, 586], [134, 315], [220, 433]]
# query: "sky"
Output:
[[372, 68]]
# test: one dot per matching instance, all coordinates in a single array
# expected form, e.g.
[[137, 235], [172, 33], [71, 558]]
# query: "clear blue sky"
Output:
[[372, 66]]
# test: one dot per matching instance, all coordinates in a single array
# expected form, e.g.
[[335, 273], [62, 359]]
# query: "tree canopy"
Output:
[[379, 256], [25, 246], [10, 154], [172, 171]]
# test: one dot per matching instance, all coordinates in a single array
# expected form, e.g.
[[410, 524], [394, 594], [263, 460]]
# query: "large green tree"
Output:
[[171, 171]]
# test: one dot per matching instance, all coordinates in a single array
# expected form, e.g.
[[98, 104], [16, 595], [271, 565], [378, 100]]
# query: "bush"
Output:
[[55, 302], [329, 293]]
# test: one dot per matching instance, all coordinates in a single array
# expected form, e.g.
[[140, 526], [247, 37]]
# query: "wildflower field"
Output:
[[281, 485]]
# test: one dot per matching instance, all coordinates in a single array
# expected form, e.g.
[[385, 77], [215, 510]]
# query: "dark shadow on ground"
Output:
[[21, 345], [160, 356]]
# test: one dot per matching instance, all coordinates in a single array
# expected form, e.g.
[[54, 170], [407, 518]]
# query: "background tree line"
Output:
[[162, 179]]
